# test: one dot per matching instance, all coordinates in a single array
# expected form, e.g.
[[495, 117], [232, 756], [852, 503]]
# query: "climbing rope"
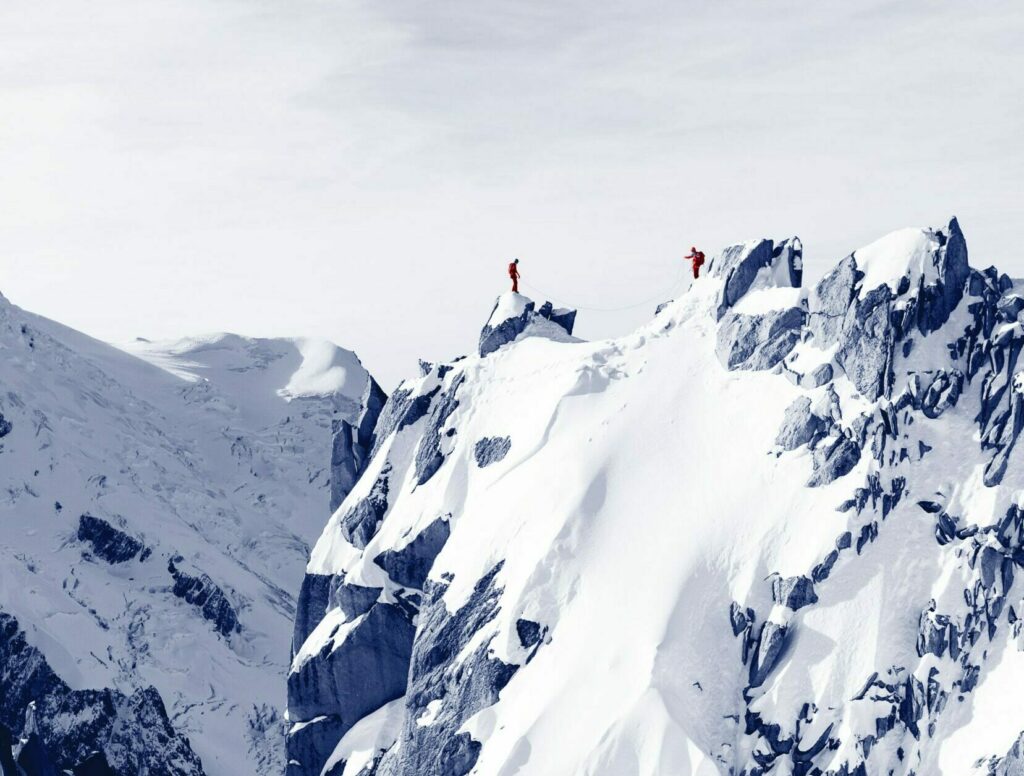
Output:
[[662, 296]]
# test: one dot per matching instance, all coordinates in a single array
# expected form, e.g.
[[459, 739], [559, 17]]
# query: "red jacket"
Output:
[[513, 270], [697, 258]]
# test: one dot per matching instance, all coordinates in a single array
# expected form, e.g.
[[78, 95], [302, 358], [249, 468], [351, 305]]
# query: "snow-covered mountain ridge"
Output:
[[156, 513], [773, 531]]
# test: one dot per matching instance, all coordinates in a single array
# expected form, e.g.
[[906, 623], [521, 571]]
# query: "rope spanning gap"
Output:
[[662, 296]]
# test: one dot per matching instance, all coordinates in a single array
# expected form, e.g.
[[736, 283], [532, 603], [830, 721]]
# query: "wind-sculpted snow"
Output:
[[156, 513], [775, 531]]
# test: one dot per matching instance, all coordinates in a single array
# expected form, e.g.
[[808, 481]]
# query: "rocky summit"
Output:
[[777, 530]]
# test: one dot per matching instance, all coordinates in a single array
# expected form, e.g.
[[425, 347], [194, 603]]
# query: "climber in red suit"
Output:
[[697, 258], [513, 272]]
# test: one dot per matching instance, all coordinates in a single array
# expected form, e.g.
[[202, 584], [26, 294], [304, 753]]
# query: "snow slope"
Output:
[[207, 463], [768, 532]]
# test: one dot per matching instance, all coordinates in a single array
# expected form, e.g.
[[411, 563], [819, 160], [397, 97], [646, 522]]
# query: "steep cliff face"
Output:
[[156, 512], [773, 531]]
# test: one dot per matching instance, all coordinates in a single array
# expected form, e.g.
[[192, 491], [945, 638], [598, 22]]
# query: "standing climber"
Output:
[[513, 272], [697, 258]]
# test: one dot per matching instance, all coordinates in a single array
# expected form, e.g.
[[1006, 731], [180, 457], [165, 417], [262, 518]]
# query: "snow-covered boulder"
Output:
[[515, 315]]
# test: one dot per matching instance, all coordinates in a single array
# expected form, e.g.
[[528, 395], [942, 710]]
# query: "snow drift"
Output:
[[772, 531]]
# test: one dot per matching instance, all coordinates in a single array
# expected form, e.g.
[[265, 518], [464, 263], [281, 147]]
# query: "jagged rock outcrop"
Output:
[[109, 543], [81, 731], [352, 445], [865, 324], [761, 341], [514, 315], [762, 262], [203, 593]]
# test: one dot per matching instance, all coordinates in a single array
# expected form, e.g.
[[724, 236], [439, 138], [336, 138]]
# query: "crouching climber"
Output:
[[513, 272], [697, 259]]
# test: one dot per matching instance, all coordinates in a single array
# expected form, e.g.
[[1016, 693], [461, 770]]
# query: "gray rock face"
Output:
[[108, 543], [491, 450], [832, 461], [868, 324], [800, 426], [463, 687], [739, 265], [5, 426], [758, 342], [1010, 764], [428, 455], [498, 333], [310, 747], [410, 565], [352, 444], [771, 642], [203, 593], [793, 592], [361, 522], [362, 674], [74, 730], [311, 606]]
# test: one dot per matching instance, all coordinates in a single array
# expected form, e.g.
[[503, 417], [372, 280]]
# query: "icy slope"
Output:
[[155, 517], [772, 531]]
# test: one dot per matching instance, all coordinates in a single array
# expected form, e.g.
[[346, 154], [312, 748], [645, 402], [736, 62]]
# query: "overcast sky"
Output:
[[365, 171]]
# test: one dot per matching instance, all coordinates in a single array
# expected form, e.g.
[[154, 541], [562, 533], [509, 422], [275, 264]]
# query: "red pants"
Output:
[[515, 285], [696, 270]]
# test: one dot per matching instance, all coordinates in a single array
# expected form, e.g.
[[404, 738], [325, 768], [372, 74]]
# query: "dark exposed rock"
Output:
[[410, 565], [361, 523], [81, 731], [739, 265], [498, 333], [465, 687], [793, 592], [109, 543], [309, 747], [5, 426], [310, 607], [758, 342], [491, 450], [818, 376], [529, 632], [428, 455], [402, 409], [867, 324], [203, 593], [352, 445], [771, 642], [364, 672], [800, 426], [833, 461]]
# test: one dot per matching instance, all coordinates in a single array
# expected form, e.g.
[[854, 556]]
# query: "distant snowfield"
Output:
[[216, 449]]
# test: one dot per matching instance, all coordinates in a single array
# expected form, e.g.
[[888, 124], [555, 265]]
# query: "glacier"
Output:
[[157, 509], [775, 530]]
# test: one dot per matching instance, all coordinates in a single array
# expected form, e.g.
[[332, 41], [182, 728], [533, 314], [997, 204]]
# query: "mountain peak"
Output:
[[515, 316]]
